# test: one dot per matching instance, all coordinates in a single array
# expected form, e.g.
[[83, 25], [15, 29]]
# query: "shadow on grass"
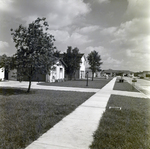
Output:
[[14, 91]]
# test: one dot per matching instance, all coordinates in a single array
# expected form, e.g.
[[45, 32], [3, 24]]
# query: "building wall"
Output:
[[2, 74], [57, 74], [82, 68]]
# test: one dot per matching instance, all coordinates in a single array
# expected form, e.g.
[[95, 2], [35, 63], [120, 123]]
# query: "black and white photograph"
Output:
[[74, 74]]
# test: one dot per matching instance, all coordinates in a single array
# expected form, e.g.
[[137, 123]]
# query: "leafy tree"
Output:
[[6, 63], [35, 48], [57, 54], [73, 59], [94, 61]]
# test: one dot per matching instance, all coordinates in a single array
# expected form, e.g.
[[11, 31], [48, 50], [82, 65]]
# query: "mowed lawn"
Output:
[[128, 128], [125, 86], [97, 83], [24, 117]]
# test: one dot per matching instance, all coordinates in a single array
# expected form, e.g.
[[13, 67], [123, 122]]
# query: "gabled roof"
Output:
[[61, 61], [80, 54]]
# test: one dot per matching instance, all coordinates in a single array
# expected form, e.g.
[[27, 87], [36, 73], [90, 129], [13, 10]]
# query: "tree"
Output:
[[73, 59], [94, 61], [35, 48], [57, 54], [6, 63]]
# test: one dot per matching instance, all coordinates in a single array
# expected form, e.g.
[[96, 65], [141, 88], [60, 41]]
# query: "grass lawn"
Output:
[[24, 117], [98, 83], [128, 128], [125, 86]]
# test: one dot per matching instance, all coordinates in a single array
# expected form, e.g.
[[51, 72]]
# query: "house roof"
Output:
[[60, 60]]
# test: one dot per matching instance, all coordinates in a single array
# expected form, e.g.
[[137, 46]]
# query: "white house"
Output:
[[57, 74], [82, 67], [81, 73], [2, 74]]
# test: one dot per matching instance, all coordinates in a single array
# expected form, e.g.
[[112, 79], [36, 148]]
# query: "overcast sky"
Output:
[[118, 29]]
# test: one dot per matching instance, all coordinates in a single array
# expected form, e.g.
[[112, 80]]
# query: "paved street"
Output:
[[141, 84]]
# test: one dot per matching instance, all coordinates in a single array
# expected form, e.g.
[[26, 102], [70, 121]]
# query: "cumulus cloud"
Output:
[[107, 58], [109, 30], [88, 29], [79, 39], [138, 8], [133, 35], [74, 38], [59, 13], [60, 35], [3, 44], [5, 5]]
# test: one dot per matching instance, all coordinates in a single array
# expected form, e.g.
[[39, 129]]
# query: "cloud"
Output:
[[109, 30], [104, 1], [60, 35], [5, 5], [133, 36], [74, 39], [88, 29], [59, 13], [107, 58], [138, 8], [99, 49], [79, 39], [3, 44]]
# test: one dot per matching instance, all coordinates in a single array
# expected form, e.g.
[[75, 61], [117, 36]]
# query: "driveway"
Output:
[[141, 84]]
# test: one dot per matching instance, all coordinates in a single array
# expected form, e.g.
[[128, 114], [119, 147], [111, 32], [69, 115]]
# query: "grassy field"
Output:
[[99, 83], [128, 128], [24, 117], [125, 86]]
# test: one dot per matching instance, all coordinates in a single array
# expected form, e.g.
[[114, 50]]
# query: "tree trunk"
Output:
[[29, 85], [92, 76]]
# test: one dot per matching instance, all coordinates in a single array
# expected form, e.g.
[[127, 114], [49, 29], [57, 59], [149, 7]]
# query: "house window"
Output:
[[61, 69]]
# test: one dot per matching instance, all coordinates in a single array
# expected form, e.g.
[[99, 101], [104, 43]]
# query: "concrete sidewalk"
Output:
[[75, 131], [24, 84]]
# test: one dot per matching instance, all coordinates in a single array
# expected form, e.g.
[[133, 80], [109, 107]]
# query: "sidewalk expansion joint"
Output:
[[53, 145], [92, 106], [92, 121]]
